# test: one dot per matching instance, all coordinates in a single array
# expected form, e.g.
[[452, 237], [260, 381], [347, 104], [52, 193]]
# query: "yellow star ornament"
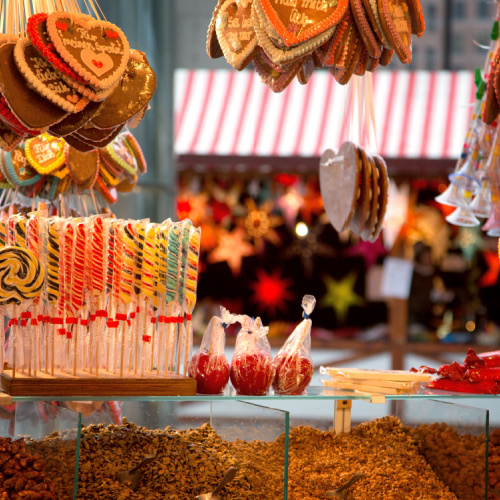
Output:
[[340, 295]]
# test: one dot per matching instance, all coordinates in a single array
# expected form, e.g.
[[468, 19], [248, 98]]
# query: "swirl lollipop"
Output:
[[21, 281]]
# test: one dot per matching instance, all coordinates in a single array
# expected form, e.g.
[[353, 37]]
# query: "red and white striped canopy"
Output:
[[418, 114]]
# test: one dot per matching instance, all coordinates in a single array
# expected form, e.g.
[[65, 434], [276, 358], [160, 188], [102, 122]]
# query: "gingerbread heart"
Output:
[[41, 77], [396, 22], [212, 46], [369, 228], [102, 142], [277, 81], [383, 182], [75, 120], [29, 107], [120, 154], [297, 22], [45, 153], [130, 96], [339, 177], [234, 28], [96, 50], [8, 138], [83, 167], [17, 168], [363, 204]]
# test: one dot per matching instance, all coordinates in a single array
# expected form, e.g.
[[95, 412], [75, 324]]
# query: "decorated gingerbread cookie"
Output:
[[18, 171], [136, 150], [362, 20], [135, 90], [109, 194], [297, 25], [120, 154], [371, 8], [331, 52], [417, 17], [363, 204], [396, 21], [98, 51], [339, 184], [213, 48], [276, 80], [41, 77], [369, 228], [29, 107], [45, 153], [76, 142], [83, 167], [74, 121], [383, 195], [235, 33], [8, 138]]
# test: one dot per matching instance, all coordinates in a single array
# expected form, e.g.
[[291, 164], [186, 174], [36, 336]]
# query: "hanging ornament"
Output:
[[232, 248], [260, 223], [369, 251], [340, 295], [272, 291]]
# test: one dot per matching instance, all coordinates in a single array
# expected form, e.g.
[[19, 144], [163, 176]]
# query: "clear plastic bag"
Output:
[[252, 370], [293, 364], [209, 366]]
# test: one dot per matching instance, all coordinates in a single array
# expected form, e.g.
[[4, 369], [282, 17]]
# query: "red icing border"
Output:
[[48, 51], [13, 121]]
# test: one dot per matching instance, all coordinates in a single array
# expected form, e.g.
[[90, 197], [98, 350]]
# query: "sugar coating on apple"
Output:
[[252, 372], [211, 372], [293, 373]]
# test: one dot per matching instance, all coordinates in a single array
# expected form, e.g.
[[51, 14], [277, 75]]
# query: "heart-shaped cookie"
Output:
[[396, 21], [41, 77], [339, 177], [99, 143], [29, 107], [119, 153], [76, 142], [298, 23], [383, 182], [234, 28], [363, 203], [17, 168], [370, 225], [8, 138], [213, 47], [362, 20], [83, 167], [277, 81], [131, 95], [74, 121], [97, 50], [109, 194], [96, 134], [136, 150], [45, 153]]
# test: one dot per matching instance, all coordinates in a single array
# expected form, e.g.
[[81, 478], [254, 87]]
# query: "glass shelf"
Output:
[[313, 393]]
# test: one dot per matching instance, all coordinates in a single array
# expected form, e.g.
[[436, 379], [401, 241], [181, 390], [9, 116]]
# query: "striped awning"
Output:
[[418, 114]]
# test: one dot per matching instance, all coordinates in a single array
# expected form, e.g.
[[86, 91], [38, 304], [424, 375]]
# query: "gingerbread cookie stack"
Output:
[[72, 76], [290, 38], [354, 186]]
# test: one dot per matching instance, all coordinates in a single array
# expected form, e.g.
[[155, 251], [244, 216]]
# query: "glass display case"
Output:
[[262, 437]]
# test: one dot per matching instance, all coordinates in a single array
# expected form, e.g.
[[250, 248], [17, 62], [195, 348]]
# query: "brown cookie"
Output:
[[277, 81], [131, 95], [369, 228], [362, 64], [237, 38], [29, 107], [74, 121], [296, 26], [306, 70], [339, 184], [126, 185], [386, 56], [372, 43], [371, 7], [214, 50], [136, 150], [383, 195], [8, 138], [396, 21], [350, 58], [83, 167], [372, 64], [95, 134], [363, 204], [417, 17], [330, 53], [99, 143], [77, 143]]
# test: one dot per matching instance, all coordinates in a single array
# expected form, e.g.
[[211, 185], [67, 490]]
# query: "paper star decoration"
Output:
[[340, 295], [290, 204], [490, 277], [232, 248], [260, 223], [369, 251], [308, 246], [272, 291]]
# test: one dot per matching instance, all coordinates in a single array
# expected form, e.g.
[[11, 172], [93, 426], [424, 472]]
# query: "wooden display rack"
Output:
[[106, 384]]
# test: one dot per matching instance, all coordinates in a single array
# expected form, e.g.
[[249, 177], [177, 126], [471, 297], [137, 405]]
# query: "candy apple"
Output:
[[252, 372], [211, 372], [293, 373]]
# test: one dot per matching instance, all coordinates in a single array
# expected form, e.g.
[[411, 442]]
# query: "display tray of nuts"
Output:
[[396, 462]]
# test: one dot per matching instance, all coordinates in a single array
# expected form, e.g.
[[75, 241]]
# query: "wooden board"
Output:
[[62, 384]]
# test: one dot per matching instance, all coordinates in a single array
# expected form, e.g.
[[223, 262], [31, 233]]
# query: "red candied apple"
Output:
[[211, 372], [252, 372], [293, 373]]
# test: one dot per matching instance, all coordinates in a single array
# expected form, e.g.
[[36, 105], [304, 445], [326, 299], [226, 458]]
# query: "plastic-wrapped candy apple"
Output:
[[252, 370], [209, 366], [293, 363]]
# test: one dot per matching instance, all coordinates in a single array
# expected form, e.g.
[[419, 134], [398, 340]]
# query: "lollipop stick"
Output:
[[179, 346], [187, 345], [2, 339]]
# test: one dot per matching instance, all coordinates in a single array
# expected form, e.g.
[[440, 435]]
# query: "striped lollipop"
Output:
[[51, 291], [79, 265], [148, 280]]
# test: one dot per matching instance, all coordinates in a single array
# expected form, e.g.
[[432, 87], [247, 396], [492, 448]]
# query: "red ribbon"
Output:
[[26, 315], [13, 321], [69, 335], [112, 324], [102, 313], [153, 321], [161, 319], [93, 317], [71, 321], [132, 315], [146, 338], [46, 319], [188, 317], [40, 317], [84, 322], [24, 322], [129, 323], [61, 331], [138, 309], [56, 321], [121, 317], [34, 322], [177, 320]]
